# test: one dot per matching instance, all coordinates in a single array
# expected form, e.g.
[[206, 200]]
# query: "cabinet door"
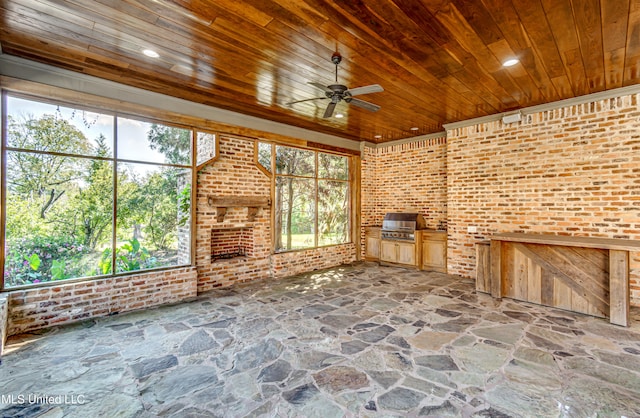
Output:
[[434, 255], [406, 253], [388, 251], [372, 248]]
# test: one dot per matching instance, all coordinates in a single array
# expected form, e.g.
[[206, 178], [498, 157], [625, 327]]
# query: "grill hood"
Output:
[[401, 221]]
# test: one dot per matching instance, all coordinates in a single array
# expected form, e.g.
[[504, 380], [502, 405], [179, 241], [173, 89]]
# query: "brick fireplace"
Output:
[[227, 243]]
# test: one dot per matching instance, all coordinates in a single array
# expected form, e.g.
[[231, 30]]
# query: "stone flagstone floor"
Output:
[[353, 341]]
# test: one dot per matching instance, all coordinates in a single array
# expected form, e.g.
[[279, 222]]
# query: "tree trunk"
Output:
[[47, 205]]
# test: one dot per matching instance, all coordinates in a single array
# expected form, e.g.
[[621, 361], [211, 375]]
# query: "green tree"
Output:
[[131, 194], [161, 208], [89, 213], [162, 193], [174, 143], [293, 194], [44, 178], [333, 205]]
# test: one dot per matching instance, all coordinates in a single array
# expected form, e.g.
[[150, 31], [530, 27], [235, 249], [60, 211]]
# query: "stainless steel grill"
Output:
[[401, 226]]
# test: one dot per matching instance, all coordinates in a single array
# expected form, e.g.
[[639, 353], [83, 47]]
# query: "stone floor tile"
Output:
[[358, 341]]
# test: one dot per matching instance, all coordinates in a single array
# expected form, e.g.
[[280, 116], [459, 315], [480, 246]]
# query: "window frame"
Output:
[[105, 110], [273, 175]]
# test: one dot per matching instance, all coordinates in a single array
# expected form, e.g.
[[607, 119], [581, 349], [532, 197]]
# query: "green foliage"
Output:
[[88, 214], [333, 166], [295, 161], [156, 204], [174, 143], [44, 178], [184, 205], [57, 270], [34, 261], [333, 212], [31, 260], [129, 256], [21, 218], [64, 204]]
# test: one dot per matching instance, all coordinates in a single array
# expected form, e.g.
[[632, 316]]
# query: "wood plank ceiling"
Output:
[[439, 61]]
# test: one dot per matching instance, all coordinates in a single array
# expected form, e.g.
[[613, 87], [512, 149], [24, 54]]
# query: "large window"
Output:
[[311, 196], [91, 193]]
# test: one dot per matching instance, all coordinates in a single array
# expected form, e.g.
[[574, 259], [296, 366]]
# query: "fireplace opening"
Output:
[[225, 255], [231, 243]]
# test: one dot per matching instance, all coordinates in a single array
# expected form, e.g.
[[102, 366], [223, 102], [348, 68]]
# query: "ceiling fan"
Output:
[[337, 92]]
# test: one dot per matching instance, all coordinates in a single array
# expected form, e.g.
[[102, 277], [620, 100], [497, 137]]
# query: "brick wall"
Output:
[[296, 262], [43, 307], [572, 171], [235, 174], [410, 176]]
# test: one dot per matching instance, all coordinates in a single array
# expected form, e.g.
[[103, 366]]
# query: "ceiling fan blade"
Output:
[[329, 111], [365, 105], [320, 86], [374, 88], [305, 100]]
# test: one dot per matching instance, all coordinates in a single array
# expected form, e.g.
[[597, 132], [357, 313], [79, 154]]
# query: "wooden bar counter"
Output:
[[581, 274]]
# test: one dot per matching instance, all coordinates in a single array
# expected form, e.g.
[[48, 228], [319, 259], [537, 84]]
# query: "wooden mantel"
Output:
[[252, 203], [583, 274]]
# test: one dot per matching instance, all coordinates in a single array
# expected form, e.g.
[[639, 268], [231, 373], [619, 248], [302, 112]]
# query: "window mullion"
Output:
[[3, 183], [114, 215], [316, 202]]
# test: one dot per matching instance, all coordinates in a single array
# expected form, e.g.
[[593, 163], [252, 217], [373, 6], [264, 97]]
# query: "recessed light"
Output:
[[415, 128], [150, 53], [339, 115], [510, 62], [377, 136]]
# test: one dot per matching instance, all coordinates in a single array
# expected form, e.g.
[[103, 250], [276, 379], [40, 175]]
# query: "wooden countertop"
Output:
[[569, 241]]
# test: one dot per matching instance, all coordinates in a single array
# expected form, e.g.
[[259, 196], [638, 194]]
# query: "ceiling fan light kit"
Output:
[[338, 92]]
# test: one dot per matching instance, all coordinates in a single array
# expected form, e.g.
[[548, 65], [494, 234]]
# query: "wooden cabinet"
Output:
[[372, 243], [398, 252], [434, 251], [406, 253]]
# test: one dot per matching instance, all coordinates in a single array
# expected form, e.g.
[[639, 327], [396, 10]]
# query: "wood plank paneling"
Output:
[[567, 275], [534, 282], [521, 276], [580, 274], [547, 285], [615, 19], [619, 271], [496, 268], [544, 274], [483, 267], [589, 26], [438, 61], [561, 294]]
